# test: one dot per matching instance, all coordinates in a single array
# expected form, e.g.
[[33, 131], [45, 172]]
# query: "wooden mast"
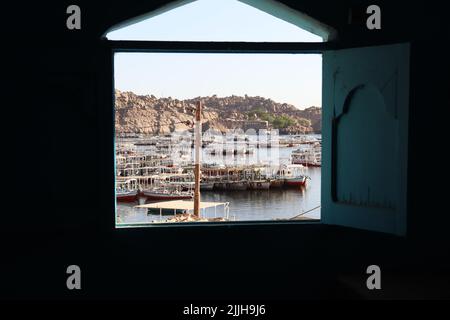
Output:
[[197, 145]]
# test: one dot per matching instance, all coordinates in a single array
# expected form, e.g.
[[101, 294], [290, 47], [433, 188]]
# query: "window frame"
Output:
[[127, 46]]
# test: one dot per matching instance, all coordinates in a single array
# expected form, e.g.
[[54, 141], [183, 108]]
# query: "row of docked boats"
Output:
[[180, 186], [154, 175]]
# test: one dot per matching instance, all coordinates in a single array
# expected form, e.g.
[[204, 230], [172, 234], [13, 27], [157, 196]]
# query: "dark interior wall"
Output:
[[58, 127]]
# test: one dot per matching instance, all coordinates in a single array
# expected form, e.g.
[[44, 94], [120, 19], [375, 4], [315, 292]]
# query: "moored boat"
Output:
[[126, 195], [126, 190], [276, 183], [292, 175], [164, 194], [296, 181], [310, 156]]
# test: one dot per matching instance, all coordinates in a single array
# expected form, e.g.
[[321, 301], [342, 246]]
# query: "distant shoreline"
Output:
[[149, 114]]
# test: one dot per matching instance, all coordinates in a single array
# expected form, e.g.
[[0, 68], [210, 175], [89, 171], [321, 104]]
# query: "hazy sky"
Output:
[[290, 78]]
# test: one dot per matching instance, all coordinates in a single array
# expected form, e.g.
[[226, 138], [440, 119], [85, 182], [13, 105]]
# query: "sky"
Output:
[[284, 78]]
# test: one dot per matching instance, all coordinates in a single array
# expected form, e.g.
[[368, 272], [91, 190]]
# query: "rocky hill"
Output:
[[149, 114]]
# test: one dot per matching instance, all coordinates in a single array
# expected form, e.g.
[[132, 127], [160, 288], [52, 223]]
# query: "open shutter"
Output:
[[365, 137]]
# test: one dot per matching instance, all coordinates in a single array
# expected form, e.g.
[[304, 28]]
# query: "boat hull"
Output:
[[206, 186], [236, 186], [259, 185], [295, 182], [276, 183], [220, 185], [127, 197]]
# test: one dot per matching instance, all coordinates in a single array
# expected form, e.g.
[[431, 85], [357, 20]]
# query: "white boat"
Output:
[[126, 190], [231, 185], [310, 155], [293, 175]]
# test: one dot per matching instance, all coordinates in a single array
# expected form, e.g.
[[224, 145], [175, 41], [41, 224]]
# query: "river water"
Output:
[[249, 205]]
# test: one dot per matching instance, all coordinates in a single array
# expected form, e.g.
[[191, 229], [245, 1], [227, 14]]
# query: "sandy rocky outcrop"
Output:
[[151, 115]]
